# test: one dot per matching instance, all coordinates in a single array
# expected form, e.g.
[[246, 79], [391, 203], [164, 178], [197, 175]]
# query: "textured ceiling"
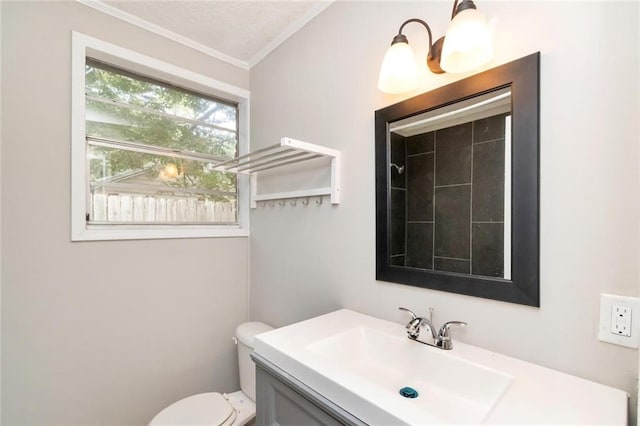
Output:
[[240, 29]]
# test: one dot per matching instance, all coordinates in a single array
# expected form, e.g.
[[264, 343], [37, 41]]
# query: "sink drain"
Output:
[[408, 392]]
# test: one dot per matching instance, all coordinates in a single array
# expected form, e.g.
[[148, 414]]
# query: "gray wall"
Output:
[[320, 86], [103, 332]]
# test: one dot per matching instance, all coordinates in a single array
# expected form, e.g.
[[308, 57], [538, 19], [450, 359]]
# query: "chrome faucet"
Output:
[[441, 339]]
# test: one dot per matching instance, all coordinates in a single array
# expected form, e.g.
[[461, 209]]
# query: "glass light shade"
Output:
[[399, 72], [467, 44]]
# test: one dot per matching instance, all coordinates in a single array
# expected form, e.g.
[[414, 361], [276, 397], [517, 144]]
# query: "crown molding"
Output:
[[289, 31], [156, 29]]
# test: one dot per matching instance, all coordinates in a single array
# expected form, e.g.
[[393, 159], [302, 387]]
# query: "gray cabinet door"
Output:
[[279, 405], [282, 400]]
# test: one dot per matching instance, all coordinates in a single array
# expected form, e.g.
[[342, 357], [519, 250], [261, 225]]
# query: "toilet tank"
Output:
[[245, 334]]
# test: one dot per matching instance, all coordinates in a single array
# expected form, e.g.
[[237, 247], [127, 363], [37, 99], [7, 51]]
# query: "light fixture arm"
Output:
[[435, 49], [465, 4], [402, 37]]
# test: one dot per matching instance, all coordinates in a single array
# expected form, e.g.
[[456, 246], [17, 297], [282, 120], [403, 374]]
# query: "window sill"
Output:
[[151, 232]]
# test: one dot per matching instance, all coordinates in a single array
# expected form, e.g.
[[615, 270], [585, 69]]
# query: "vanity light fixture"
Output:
[[465, 47]]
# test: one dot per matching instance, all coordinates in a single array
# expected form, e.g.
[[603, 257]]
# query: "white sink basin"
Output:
[[451, 389], [360, 363]]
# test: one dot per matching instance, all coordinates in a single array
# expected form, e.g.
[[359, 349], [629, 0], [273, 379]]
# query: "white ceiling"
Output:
[[239, 31]]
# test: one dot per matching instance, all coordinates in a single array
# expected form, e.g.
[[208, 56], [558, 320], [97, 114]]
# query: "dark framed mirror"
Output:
[[457, 186]]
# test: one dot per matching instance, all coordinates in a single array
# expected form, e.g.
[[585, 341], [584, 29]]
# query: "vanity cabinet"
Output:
[[347, 368], [282, 400]]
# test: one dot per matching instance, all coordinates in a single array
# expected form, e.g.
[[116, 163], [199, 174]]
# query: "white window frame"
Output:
[[84, 46]]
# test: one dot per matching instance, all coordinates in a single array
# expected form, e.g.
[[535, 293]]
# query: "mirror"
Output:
[[457, 186]]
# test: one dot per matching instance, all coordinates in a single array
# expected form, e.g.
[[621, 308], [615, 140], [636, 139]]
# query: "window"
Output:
[[146, 137], [150, 147]]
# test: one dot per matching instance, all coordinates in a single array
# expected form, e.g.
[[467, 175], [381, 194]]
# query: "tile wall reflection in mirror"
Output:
[[450, 175]]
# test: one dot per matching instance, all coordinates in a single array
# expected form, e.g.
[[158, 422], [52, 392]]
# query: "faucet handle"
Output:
[[413, 326], [444, 330], [444, 339], [413, 316]]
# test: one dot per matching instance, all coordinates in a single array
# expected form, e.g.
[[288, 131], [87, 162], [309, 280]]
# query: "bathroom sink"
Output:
[[449, 389], [360, 363]]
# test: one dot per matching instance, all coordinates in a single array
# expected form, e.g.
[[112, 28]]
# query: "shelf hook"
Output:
[[319, 200], [305, 202]]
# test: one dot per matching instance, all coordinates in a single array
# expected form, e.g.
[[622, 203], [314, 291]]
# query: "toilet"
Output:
[[212, 408]]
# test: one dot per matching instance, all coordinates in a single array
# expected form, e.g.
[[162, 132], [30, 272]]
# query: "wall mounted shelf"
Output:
[[288, 151]]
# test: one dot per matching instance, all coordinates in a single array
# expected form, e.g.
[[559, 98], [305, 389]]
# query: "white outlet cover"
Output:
[[607, 302]]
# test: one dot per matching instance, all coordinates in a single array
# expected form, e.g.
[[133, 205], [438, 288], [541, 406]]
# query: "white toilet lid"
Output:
[[202, 409]]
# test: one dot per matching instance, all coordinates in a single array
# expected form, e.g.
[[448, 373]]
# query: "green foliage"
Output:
[[150, 127]]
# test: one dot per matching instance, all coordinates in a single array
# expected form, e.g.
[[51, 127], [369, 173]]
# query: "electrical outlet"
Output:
[[618, 322], [621, 320]]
